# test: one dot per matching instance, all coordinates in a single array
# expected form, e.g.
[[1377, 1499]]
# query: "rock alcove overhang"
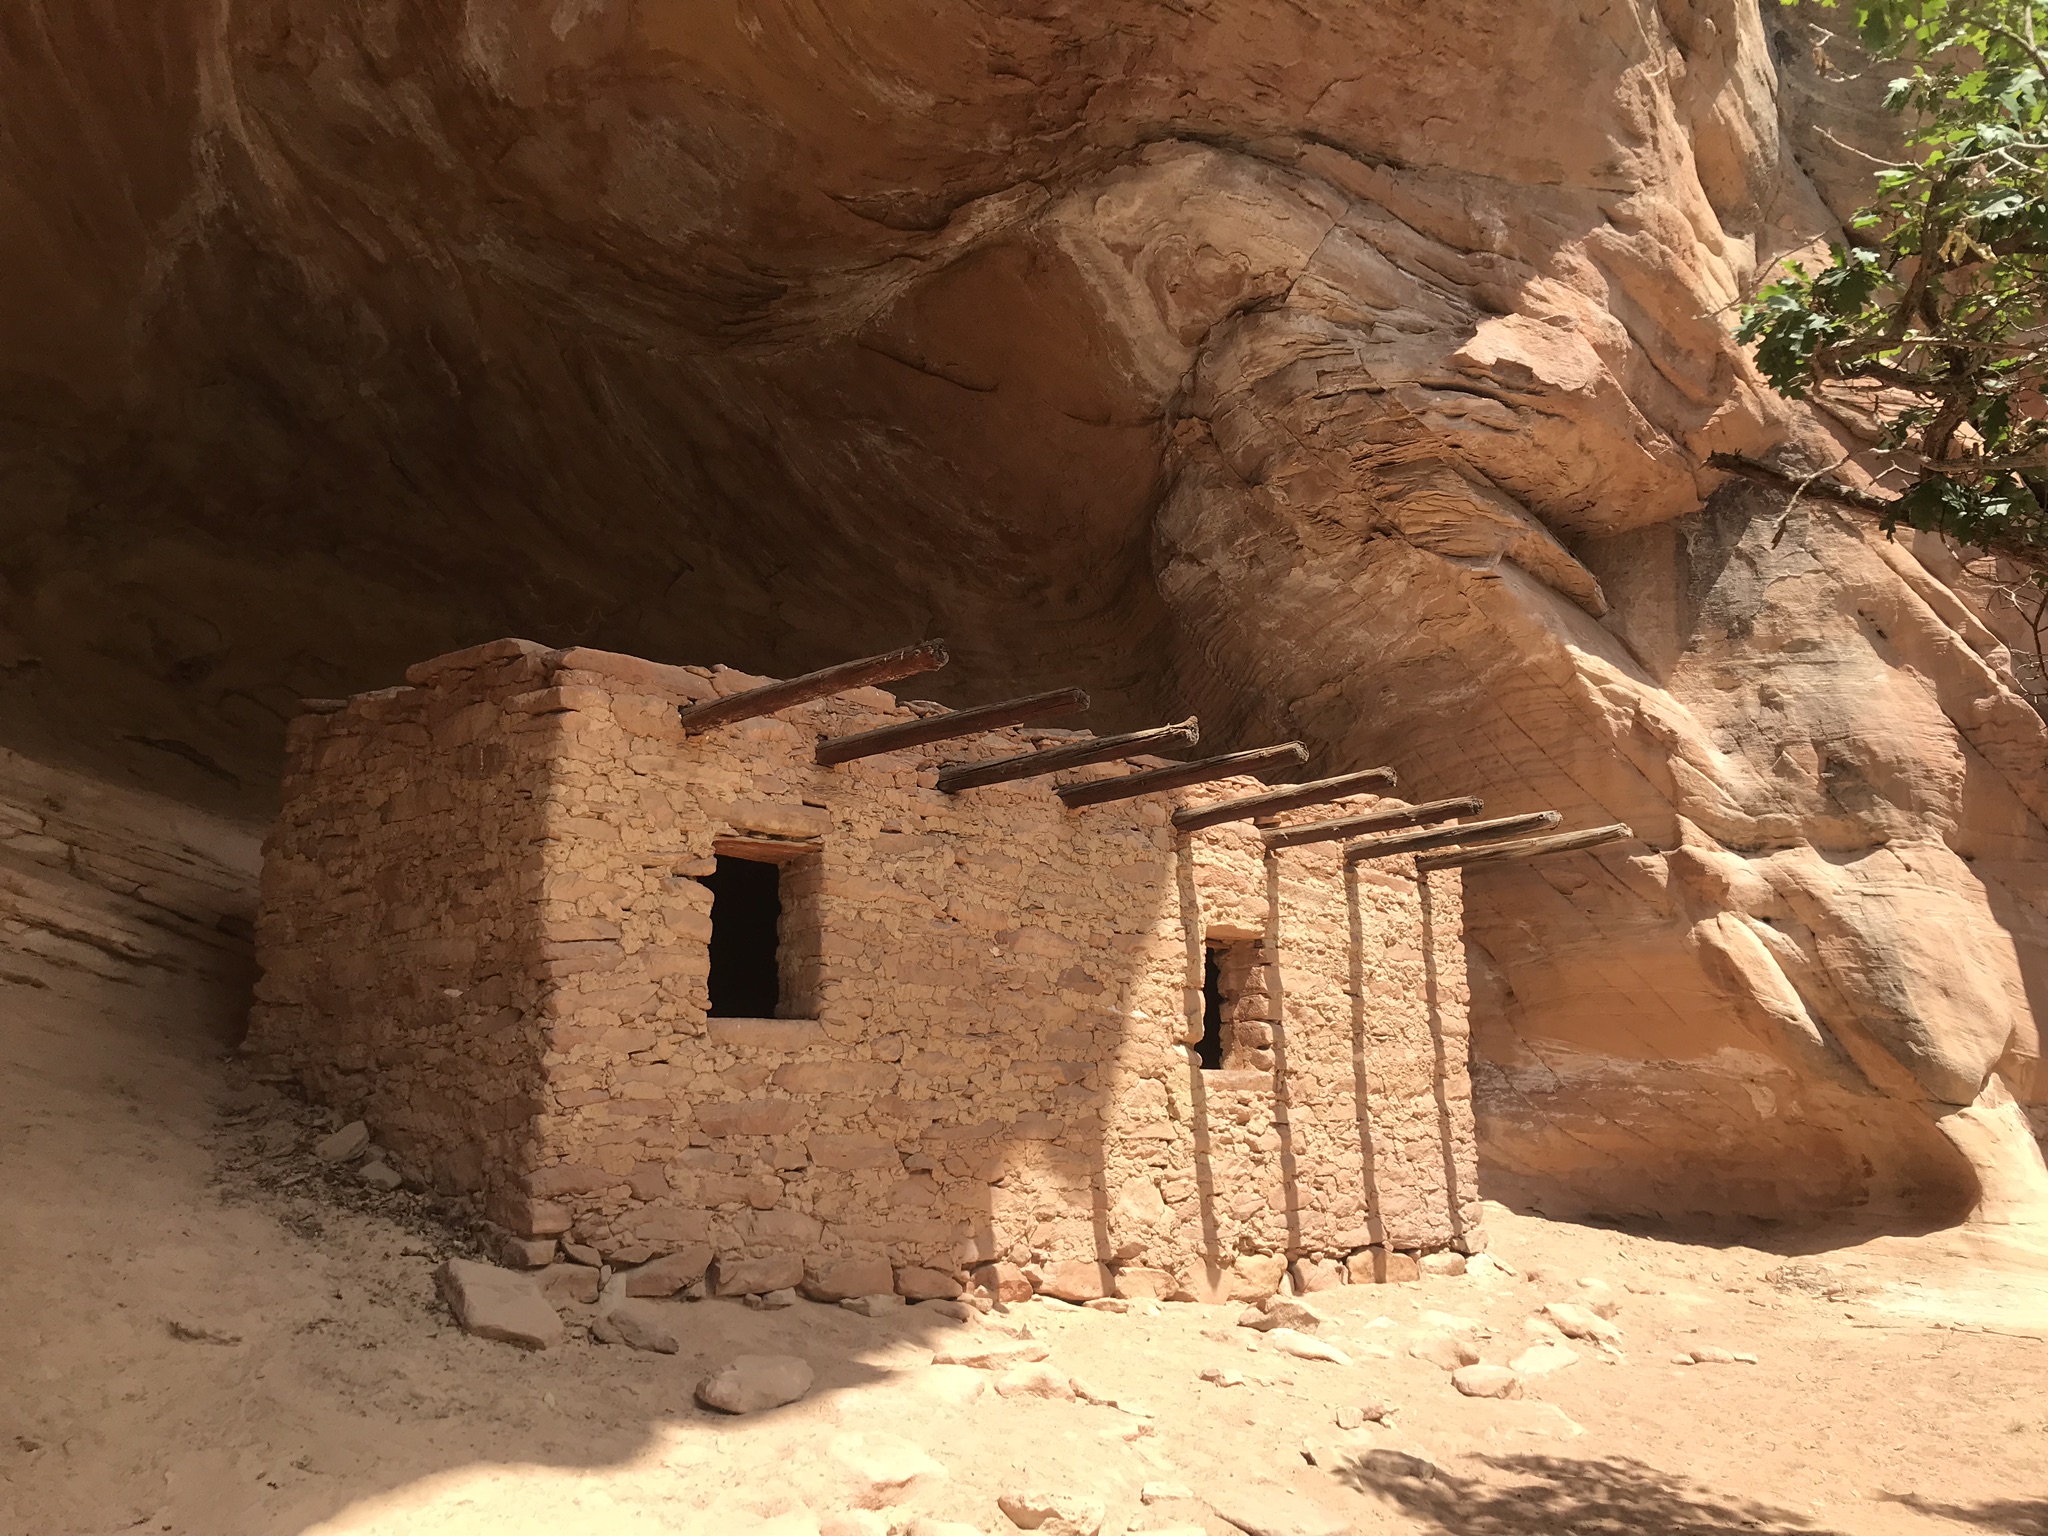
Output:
[[341, 338], [960, 469], [1107, 346]]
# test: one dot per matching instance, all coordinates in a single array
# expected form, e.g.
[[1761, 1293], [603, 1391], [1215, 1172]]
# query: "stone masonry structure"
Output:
[[486, 929]]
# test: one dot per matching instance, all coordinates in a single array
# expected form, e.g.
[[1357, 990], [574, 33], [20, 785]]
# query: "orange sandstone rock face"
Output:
[[1341, 371]]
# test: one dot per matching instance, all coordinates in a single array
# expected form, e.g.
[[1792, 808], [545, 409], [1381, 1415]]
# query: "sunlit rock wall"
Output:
[[1342, 371]]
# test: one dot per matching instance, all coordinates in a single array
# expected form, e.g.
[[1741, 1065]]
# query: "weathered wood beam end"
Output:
[[1193, 818], [769, 697], [1445, 837], [1104, 749], [1154, 780], [1527, 848], [833, 750], [1373, 821]]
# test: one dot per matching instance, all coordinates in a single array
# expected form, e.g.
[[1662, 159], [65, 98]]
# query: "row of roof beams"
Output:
[[1442, 847]]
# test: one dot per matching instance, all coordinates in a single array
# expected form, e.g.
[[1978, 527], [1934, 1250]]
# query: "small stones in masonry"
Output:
[[674, 993]]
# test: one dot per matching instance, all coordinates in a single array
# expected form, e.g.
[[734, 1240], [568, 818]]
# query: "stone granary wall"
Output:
[[485, 929]]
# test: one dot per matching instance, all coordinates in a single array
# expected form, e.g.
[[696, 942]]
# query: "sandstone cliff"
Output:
[[1337, 370]]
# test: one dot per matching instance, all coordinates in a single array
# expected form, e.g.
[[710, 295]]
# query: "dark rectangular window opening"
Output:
[[746, 915], [1211, 1048]]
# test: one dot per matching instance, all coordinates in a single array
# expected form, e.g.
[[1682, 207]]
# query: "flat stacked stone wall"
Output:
[[398, 932], [998, 995]]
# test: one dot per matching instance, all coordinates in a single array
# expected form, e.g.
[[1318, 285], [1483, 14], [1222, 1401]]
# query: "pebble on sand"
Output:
[[1486, 1381], [1282, 1312], [1713, 1354], [1303, 1347]]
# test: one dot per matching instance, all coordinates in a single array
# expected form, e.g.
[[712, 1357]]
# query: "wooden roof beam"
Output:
[[833, 750], [1104, 749], [1373, 821], [1193, 818], [1527, 848], [1444, 837], [1154, 780], [770, 697]]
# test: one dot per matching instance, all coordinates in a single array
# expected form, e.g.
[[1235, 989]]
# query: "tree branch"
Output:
[[1777, 479], [1890, 165], [2022, 44], [1849, 496]]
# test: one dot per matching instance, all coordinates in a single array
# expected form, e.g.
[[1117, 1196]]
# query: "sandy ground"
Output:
[[200, 1341]]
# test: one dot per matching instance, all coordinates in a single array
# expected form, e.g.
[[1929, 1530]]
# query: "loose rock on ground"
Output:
[[1054, 1514], [637, 1325], [1487, 1381], [752, 1383], [495, 1303]]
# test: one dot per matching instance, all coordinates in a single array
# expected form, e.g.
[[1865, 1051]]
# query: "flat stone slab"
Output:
[[844, 1279], [882, 1468], [875, 1306], [991, 1354], [926, 1284], [350, 1141], [495, 1303], [745, 1277], [1275, 1512], [1035, 1380], [1541, 1359], [1304, 1346]]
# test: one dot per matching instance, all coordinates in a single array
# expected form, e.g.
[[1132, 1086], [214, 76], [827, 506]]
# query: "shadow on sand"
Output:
[[2012, 1517], [1546, 1495]]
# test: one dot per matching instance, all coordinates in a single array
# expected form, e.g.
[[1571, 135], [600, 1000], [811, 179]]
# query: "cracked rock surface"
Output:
[[1342, 372]]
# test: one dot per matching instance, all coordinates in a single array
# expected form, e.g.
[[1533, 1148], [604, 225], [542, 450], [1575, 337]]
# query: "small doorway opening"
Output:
[[746, 916], [1211, 1048]]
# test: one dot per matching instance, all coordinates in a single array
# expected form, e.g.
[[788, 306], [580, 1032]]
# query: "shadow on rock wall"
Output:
[[1342, 372]]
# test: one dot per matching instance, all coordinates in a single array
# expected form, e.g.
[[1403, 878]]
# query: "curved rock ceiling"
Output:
[[1343, 371]]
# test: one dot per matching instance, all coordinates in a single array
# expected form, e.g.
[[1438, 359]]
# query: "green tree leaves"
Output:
[[1940, 293]]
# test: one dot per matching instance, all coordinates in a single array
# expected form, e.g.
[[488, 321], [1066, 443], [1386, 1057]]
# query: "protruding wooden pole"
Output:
[[1444, 837], [1527, 848], [959, 722], [1195, 817], [1180, 775], [1103, 749], [1373, 821], [769, 697]]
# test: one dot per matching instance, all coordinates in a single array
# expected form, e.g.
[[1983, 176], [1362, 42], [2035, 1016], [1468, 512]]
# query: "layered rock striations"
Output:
[[1339, 371]]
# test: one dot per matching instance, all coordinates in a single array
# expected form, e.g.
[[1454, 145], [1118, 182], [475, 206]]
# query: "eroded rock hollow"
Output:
[[1342, 371]]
